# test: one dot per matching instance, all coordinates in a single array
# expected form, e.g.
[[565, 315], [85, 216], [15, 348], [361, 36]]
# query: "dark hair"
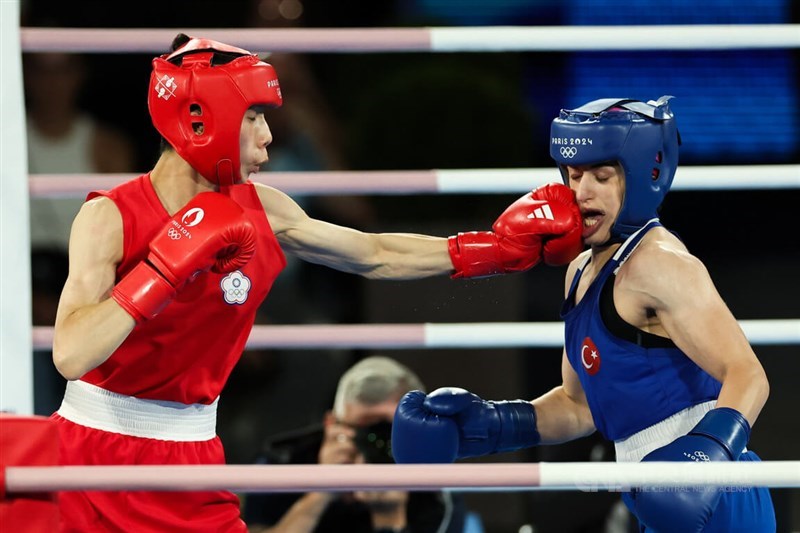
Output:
[[179, 41]]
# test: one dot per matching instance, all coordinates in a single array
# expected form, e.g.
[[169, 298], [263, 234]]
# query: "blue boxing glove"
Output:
[[721, 435], [452, 423]]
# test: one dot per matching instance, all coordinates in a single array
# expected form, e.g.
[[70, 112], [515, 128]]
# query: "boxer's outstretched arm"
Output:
[[543, 222], [452, 423], [376, 256]]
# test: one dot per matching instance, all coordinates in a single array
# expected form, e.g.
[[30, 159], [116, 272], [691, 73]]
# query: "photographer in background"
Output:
[[358, 430]]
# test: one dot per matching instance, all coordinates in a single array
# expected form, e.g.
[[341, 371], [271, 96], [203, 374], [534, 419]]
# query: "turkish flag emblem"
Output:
[[590, 357]]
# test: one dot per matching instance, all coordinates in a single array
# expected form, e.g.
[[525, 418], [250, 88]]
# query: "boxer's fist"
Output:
[[721, 435], [212, 232], [452, 423], [479, 254], [561, 236], [420, 436], [544, 223]]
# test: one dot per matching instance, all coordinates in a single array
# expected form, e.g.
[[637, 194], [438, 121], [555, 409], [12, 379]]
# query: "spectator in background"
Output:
[[357, 430], [65, 139]]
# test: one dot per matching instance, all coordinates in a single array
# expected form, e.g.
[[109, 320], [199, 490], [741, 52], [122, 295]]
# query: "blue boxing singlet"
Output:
[[629, 385]]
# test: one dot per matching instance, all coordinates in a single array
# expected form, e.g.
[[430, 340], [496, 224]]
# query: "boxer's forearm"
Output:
[[745, 388], [560, 418]]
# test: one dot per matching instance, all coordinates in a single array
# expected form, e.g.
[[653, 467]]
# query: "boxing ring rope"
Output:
[[473, 335], [460, 181], [584, 476], [430, 39], [455, 335]]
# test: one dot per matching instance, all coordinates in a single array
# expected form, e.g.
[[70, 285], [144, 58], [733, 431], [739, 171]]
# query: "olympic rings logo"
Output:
[[697, 456], [569, 151], [173, 234]]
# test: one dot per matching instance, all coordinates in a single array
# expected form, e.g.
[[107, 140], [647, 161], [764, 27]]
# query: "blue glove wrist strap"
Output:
[[517, 425], [726, 426]]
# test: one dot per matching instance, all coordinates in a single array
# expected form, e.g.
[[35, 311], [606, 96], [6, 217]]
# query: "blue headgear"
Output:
[[643, 137]]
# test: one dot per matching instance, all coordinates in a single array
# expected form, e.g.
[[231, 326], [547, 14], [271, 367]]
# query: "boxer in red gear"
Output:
[[167, 271]]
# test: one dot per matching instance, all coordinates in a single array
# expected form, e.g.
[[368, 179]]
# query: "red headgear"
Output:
[[189, 80]]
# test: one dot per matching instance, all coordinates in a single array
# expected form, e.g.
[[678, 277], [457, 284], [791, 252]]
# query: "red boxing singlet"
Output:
[[186, 353]]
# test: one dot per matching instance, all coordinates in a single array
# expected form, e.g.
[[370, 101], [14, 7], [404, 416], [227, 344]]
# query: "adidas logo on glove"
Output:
[[542, 212]]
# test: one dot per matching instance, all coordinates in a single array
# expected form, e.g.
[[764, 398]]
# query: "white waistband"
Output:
[[635, 447], [94, 407]]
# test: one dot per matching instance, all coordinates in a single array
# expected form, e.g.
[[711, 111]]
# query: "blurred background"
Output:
[[445, 110]]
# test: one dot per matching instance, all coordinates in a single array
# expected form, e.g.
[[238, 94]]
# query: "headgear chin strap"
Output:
[[642, 137], [197, 104]]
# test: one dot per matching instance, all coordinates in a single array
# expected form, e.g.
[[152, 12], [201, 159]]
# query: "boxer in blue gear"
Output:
[[653, 357]]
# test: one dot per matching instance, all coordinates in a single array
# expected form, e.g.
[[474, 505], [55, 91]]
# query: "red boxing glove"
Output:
[[212, 232], [544, 223], [561, 234]]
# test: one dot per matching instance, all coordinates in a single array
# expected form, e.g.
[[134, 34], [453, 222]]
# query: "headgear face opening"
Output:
[[197, 105], [642, 137]]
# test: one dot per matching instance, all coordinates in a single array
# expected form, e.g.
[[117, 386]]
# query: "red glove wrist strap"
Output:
[[143, 292], [474, 254]]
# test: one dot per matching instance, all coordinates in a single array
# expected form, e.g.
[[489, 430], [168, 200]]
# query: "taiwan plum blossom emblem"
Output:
[[235, 288]]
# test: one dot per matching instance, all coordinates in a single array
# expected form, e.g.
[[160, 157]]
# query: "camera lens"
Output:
[[375, 442]]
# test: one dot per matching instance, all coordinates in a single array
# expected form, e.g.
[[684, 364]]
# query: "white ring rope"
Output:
[[472, 39], [584, 476], [455, 335], [465, 181]]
